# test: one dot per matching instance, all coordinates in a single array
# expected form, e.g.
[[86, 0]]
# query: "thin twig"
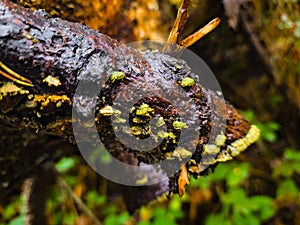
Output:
[[181, 18], [200, 33], [78, 201], [12, 75]]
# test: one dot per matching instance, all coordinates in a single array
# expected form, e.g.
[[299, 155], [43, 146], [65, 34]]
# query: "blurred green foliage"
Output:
[[14, 214], [268, 130], [237, 206], [159, 214]]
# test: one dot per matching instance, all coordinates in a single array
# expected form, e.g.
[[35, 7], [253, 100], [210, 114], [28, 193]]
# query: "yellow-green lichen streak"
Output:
[[243, 143]]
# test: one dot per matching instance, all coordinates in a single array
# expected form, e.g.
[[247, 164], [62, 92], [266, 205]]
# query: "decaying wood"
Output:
[[55, 55]]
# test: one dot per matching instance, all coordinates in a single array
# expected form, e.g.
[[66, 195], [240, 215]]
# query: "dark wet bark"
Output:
[[55, 55]]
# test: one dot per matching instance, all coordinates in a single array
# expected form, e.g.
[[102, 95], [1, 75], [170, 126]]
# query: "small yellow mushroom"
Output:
[[223, 157], [253, 134], [211, 149], [106, 110], [10, 89], [58, 104], [220, 139], [179, 125], [181, 153], [52, 81], [242, 144], [166, 135], [138, 120], [160, 121], [135, 130], [144, 110], [187, 82], [143, 180], [44, 100]]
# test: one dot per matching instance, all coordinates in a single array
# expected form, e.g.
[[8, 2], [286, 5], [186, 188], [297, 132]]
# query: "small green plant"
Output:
[[237, 206], [289, 166], [117, 219], [158, 215]]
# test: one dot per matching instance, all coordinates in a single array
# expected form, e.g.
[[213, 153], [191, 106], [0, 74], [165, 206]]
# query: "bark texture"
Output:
[[57, 55]]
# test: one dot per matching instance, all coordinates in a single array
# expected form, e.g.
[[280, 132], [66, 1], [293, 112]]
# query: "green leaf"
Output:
[[65, 164], [94, 198], [287, 190], [249, 219], [249, 114], [18, 220], [102, 154], [296, 167], [292, 154], [68, 218], [273, 126], [175, 204], [120, 219], [144, 223], [216, 219], [202, 183], [268, 130], [235, 196], [9, 212], [263, 205], [222, 171], [238, 174], [162, 215], [283, 169]]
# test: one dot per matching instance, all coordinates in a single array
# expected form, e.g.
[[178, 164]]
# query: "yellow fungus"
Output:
[[106, 111], [144, 110], [135, 130], [179, 125], [220, 139], [52, 81], [187, 82], [181, 153], [211, 149], [160, 121], [166, 135], [143, 180], [58, 104], [242, 144], [44, 100]]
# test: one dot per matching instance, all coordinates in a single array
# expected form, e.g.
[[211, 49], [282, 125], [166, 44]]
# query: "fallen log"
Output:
[[52, 57]]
